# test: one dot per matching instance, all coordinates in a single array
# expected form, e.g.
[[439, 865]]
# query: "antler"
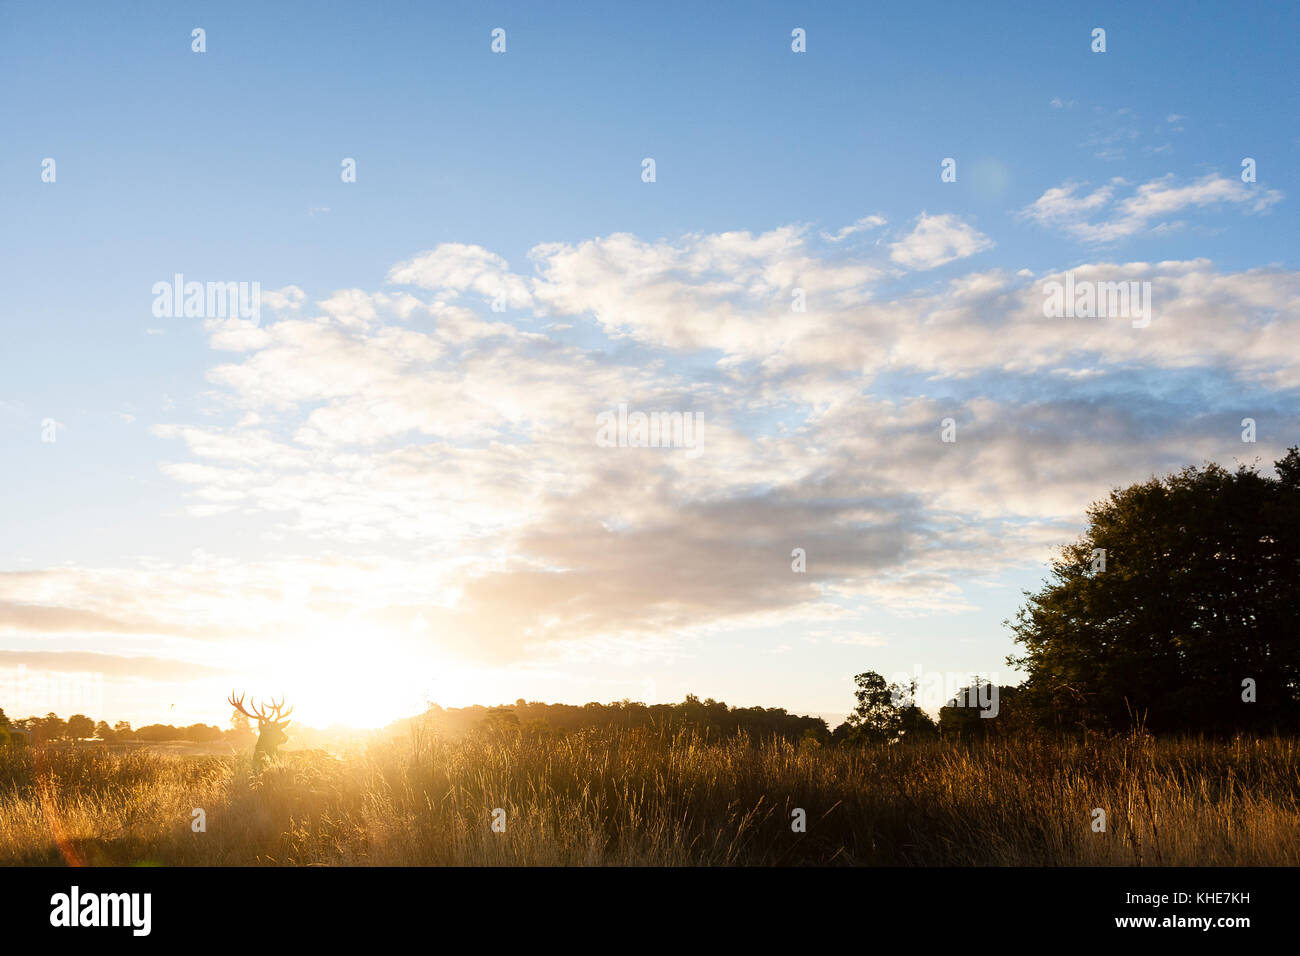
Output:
[[276, 716], [238, 704], [260, 714]]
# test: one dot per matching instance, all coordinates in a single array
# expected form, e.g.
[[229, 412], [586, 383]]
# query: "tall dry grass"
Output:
[[632, 797]]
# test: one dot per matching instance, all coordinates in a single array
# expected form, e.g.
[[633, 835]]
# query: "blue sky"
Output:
[[224, 166]]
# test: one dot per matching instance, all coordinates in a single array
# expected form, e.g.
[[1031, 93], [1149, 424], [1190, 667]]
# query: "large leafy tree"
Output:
[[1198, 597]]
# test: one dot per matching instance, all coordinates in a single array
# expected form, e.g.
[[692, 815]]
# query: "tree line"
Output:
[[710, 717], [52, 729]]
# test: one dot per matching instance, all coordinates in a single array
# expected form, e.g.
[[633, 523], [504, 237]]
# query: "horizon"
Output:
[[831, 719], [501, 417]]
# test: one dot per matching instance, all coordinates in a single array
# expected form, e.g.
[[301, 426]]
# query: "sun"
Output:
[[345, 673], [338, 675]]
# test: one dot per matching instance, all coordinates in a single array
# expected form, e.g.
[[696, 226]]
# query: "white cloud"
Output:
[[732, 291], [453, 267], [937, 240], [1146, 210], [865, 224], [287, 299]]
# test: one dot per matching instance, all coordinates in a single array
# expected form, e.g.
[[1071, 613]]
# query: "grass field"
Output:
[[631, 797]]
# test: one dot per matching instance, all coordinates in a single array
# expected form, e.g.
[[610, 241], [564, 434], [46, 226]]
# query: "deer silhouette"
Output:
[[270, 727]]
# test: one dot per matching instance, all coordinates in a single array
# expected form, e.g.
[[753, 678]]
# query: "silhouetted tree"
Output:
[[885, 714], [47, 728], [915, 724], [1197, 598], [80, 726], [980, 711]]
